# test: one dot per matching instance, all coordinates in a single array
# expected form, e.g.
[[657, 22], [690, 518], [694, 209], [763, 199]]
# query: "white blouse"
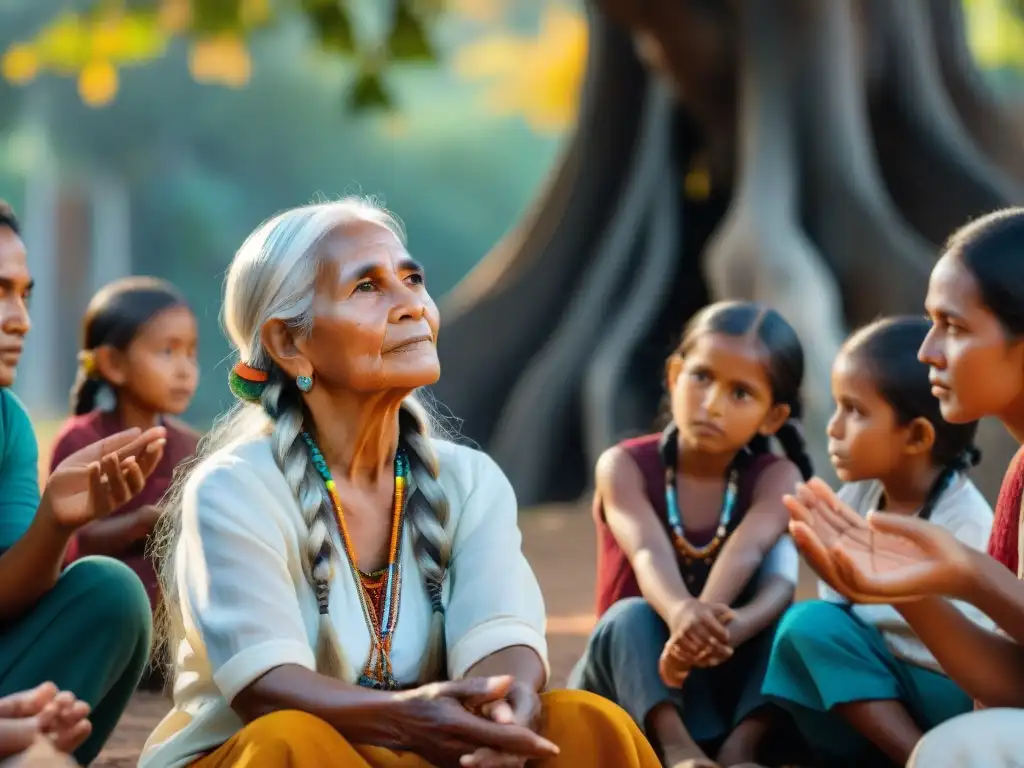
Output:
[[962, 511], [247, 608]]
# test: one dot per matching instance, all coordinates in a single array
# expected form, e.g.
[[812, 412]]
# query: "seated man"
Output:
[[85, 633]]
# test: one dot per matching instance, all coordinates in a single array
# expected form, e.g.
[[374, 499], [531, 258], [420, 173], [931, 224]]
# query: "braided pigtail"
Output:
[[281, 400], [427, 516], [791, 437]]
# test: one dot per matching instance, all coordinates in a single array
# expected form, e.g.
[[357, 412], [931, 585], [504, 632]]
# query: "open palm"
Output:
[[887, 558], [93, 482]]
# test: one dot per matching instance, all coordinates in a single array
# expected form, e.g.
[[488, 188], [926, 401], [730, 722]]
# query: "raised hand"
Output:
[[91, 483], [887, 558]]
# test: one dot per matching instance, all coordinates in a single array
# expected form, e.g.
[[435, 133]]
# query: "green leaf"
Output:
[[332, 24], [369, 94], [408, 39], [212, 16]]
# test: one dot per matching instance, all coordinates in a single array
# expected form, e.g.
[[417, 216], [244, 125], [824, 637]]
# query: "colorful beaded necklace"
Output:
[[379, 592], [690, 552]]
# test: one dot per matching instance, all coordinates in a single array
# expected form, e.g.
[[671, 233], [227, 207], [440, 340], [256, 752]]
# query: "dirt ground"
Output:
[[559, 542]]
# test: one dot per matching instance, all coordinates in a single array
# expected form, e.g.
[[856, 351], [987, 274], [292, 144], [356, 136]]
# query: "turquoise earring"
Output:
[[304, 383]]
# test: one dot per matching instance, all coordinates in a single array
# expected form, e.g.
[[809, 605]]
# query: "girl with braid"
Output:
[[694, 567], [860, 685], [342, 587]]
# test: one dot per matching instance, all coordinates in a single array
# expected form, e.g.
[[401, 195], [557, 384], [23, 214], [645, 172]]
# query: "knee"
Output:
[[280, 733], [806, 625], [583, 708], [113, 605], [630, 618]]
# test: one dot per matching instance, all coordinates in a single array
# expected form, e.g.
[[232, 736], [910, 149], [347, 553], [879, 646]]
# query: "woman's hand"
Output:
[[438, 723], [91, 483], [887, 558], [521, 707]]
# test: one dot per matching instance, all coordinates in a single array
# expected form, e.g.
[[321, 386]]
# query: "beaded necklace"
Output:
[[688, 551], [379, 592]]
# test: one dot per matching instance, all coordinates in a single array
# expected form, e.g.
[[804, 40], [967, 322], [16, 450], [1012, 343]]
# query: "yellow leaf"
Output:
[[98, 83], [20, 64], [223, 59], [174, 16], [128, 39], [995, 33], [254, 12], [64, 45], [538, 78]]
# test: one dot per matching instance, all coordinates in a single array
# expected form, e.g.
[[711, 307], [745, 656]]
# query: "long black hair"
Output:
[[785, 361], [113, 319], [992, 249], [887, 351]]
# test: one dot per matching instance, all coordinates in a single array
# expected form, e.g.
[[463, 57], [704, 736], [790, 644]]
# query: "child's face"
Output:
[[864, 440], [161, 371], [721, 394], [976, 370]]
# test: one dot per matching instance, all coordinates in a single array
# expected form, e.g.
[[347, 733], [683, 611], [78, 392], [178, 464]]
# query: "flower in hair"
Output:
[[87, 362], [247, 383]]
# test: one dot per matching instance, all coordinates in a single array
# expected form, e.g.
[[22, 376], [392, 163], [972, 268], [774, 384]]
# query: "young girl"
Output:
[[685, 520], [137, 367], [858, 682], [975, 351]]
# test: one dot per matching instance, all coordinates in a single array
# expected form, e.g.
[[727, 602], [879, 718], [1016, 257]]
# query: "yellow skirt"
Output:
[[589, 730]]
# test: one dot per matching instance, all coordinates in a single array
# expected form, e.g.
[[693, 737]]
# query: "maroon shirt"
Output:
[[80, 431], [615, 577]]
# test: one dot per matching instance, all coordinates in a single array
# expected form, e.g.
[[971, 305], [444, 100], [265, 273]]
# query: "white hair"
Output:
[[273, 276]]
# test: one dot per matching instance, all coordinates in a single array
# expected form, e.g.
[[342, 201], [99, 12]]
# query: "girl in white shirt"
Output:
[[860, 685], [343, 588]]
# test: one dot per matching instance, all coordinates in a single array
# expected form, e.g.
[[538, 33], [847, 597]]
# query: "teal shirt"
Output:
[[19, 470]]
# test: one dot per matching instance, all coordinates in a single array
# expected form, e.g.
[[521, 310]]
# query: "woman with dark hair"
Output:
[[857, 681], [137, 368], [686, 520], [975, 352]]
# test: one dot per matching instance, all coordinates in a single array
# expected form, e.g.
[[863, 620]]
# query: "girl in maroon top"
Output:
[[137, 366], [685, 521]]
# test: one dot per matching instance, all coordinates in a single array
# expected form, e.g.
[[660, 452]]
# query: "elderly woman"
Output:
[[342, 587]]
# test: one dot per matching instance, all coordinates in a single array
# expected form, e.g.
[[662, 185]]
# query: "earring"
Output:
[[304, 383]]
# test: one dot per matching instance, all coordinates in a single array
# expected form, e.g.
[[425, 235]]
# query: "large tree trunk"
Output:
[[554, 346]]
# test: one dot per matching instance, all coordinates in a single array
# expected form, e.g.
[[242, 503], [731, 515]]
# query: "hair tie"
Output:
[[434, 590], [247, 383], [971, 456], [87, 362]]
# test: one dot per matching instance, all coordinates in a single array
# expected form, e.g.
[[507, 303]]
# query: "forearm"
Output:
[[361, 715], [661, 585], [773, 597], [114, 535], [30, 568], [999, 594], [731, 573], [989, 667], [519, 661]]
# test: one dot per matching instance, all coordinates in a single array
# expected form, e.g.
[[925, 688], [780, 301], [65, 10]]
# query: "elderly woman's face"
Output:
[[375, 325]]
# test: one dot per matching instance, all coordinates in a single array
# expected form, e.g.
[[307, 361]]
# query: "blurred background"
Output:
[[150, 136]]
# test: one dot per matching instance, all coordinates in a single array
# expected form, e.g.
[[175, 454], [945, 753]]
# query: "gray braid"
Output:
[[281, 401], [427, 517]]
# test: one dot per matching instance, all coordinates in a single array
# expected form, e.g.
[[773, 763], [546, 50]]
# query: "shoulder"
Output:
[[861, 496], [772, 476], [465, 471], [237, 473], [79, 430], [18, 433], [964, 506], [618, 465]]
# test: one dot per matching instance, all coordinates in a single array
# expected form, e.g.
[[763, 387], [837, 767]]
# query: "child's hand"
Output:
[[65, 722], [700, 628]]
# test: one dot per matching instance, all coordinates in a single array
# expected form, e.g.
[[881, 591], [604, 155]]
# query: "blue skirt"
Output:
[[824, 656]]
